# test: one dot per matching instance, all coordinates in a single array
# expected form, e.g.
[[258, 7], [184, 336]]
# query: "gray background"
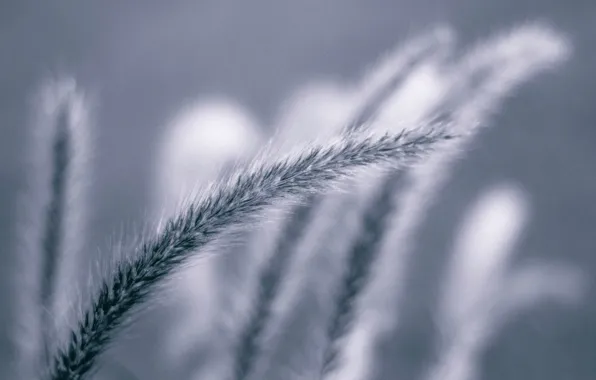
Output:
[[142, 59]]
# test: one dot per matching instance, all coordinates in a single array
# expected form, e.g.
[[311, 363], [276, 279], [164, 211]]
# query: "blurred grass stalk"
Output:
[[51, 228], [481, 292]]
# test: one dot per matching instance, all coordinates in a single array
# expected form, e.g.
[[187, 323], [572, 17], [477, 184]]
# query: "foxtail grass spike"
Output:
[[231, 203]]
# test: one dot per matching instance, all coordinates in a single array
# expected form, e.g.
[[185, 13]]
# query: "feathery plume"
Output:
[[232, 203]]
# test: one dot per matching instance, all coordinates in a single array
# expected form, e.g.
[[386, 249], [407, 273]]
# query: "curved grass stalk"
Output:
[[231, 203]]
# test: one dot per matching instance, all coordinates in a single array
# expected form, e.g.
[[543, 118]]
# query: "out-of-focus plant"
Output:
[[313, 227]]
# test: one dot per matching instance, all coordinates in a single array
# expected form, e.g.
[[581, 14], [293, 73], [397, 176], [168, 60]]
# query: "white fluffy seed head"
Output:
[[481, 254]]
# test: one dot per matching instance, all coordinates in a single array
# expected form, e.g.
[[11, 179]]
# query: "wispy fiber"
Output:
[[52, 232], [231, 203]]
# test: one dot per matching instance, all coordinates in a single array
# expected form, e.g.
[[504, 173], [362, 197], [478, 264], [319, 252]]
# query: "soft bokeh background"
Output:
[[142, 60]]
